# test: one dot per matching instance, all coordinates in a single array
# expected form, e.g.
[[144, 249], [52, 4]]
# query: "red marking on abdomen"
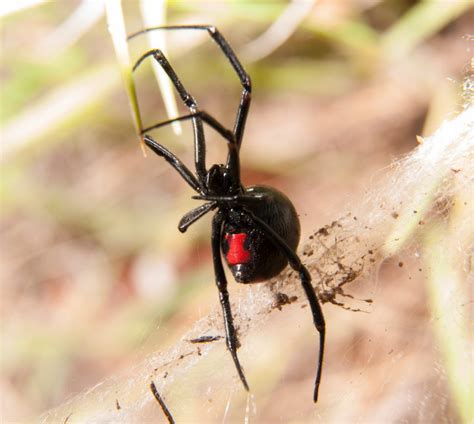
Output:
[[237, 253]]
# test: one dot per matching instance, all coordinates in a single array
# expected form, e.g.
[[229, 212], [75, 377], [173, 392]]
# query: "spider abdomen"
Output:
[[250, 255]]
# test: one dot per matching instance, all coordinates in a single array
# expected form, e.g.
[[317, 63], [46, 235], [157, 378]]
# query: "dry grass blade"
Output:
[[421, 21], [153, 15], [10, 7], [279, 32], [74, 27], [56, 110], [118, 33]]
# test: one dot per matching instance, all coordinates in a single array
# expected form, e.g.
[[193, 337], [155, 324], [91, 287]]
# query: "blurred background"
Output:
[[94, 272]]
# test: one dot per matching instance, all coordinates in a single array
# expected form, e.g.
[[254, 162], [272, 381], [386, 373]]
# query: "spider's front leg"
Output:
[[189, 101], [229, 53], [221, 281], [174, 161]]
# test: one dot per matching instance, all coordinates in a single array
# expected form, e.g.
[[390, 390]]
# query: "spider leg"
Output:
[[174, 162], [305, 277], [229, 53], [208, 119], [192, 216], [238, 198], [188, 100], [233, 160], [162, 403], [221, 281]]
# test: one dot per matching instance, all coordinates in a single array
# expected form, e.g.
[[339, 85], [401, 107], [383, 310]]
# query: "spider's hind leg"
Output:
[[305, 277]]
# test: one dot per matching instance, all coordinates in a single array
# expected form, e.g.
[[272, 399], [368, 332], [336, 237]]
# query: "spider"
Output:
[[256, 228]]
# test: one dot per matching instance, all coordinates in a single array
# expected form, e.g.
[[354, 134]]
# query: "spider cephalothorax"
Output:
[[256, 228], [219, 182]]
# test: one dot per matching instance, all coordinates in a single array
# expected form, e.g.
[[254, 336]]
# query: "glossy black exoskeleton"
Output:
[[256, 228], [249, 253]]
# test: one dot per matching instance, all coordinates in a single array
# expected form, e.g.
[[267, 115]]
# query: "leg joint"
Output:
[[247, 84], [212, 30], [158, 54]]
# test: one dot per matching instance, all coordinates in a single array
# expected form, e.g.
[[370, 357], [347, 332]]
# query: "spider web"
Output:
[[418, 214]]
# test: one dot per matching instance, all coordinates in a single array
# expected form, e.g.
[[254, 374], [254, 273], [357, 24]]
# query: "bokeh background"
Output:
[[94, 273]]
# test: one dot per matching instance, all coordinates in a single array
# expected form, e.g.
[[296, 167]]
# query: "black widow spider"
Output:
[[257, 228]]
